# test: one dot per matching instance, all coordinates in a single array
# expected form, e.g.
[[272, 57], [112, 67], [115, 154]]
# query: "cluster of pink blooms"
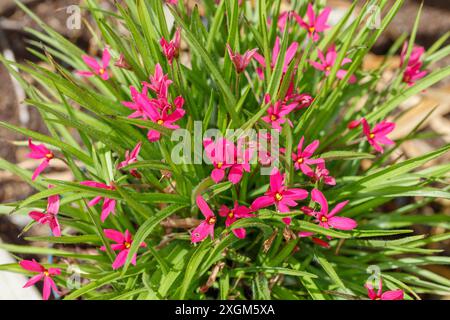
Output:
[[224, 155], [159, 110], [230, 161], [413, 68], [376, 136]]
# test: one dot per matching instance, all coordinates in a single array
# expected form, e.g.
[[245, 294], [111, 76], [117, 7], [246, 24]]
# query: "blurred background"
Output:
[[435, 22]]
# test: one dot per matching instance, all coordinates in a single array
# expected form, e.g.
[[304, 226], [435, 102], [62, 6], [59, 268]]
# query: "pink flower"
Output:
[[302, 159], [159, 82], [241, 163], [290, 54], [264, 146], [96, 68], [327, 62], [303, 100], [353, 124], [139, 103], [238, 212], [222, 154], [379, 134], [122, 63], [328, 219], [318, 241], [241, 61], [322, 173], [131, 157], [39, 152], [415, 56], [173, 2], [206, 227], [43, 274], [277, 113], [412, 72], [163, 118], [109, 205], [171, 49], [123, 244], [388, 295], [283, 19], [279, 195], [50, 217], [315, 23]]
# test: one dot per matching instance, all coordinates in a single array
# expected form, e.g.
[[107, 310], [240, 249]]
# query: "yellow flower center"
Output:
[[311, 29], [324, 219], [49, 156], [328, 68], [211, 220], [46, 273], [300, 160], [160, 122], [278, 196], [372, 135], [219, 165], [102, 71], [273, 117], [231, 215], [127, 245]]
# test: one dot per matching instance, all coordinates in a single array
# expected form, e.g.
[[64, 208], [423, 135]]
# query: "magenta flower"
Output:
[[222, 154], [328, 219], [159, 82], [290, 54], [96, 68], [303, 100], [172, 2], [283, 19], [172, 49], [279, 195], [109, 205], [123, 244], [328, 61], [322, 173], [139, 103], [131, 157], [241, 163], [50, 217], [379, 134], [163, 118], [276, 113], [39, 152], [318, 241], [206, 227], [238, 212], [412, 72], [315, 23], [122, 63], [379, 295], [43, 274], [415, 56], [302, 159], [263, 145], [241, 61]]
